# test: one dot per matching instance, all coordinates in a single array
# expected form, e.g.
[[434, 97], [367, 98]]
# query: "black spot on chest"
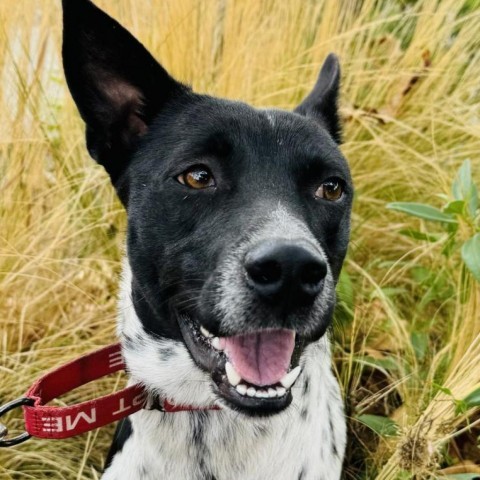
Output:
[[260, 431], [166, 353], [332, 432], [304, 414], [197, 427], [135, 342], [122, 434], [306, 386]]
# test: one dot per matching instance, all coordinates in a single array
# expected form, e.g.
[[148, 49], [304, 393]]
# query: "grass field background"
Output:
[[407, 348]]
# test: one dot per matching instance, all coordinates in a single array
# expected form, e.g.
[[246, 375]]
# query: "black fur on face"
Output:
[[187, 246]]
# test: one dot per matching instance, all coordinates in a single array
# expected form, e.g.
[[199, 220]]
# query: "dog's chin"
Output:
[[234, 392]]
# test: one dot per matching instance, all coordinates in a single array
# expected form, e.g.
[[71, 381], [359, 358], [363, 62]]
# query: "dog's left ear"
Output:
[[321, 103]]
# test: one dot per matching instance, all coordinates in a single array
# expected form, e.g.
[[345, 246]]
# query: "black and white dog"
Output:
[[238, 224]]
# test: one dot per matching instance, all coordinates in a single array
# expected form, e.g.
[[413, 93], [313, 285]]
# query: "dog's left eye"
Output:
[[197, 177], [331, 189]]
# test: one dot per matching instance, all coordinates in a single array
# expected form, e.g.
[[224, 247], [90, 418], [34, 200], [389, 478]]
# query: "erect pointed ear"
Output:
[[117, 85], [321, 103]]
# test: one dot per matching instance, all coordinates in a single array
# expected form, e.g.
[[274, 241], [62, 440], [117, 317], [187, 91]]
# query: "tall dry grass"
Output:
[[409, 330]]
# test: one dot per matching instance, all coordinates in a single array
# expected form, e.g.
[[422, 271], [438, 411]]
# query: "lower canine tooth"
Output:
[[215, 341], [251, 392], [289, 379], [242, 389], [232, 375], [272, 392], [281, 391]]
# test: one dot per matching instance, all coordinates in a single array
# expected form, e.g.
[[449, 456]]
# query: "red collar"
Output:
[[62, 422]]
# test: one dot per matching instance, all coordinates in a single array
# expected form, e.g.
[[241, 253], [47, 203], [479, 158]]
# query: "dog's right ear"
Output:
[[117, 85]]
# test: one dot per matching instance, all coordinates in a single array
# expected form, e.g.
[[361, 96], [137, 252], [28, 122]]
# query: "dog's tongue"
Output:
[[261, 358]]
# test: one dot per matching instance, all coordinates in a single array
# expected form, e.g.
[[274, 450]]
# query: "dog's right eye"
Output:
[[331, 189], [197, 177]]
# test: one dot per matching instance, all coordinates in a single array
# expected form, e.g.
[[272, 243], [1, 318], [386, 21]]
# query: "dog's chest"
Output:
[[306, 442]]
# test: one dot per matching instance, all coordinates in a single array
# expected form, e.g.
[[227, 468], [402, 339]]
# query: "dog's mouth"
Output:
[[253, 372]]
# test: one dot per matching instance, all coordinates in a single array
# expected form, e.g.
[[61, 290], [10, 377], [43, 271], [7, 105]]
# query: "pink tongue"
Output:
[[261, 358]]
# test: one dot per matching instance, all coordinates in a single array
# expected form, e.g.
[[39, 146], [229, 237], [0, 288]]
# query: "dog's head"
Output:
[[238, 218]]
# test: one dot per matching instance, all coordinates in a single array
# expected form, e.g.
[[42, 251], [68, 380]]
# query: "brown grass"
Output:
[[410, 102]]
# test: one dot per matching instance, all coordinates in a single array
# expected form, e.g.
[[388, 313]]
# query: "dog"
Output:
[[238, 225]]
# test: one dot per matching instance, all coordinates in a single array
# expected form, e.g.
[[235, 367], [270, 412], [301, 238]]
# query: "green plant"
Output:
[[460, 209]]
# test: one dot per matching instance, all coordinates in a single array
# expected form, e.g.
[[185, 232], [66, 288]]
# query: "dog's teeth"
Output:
[[215, 341], [205, 332], [289, 379], [251, 392], [242, 389], [232, 375], [261, 394], [281, 391], [272, 393]]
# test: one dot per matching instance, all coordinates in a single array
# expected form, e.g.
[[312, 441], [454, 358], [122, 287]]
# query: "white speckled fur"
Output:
[[306, 441]]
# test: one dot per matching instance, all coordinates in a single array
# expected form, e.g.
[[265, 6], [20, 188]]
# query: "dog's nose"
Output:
[[285, 273]]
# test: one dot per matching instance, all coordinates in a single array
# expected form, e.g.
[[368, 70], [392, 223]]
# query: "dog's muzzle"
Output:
[[276, 285]]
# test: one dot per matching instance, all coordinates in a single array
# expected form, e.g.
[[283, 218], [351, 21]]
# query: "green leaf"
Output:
[[463, 188], [450, 244], [423, 276], [471, 255], [392, 292], [389, 364], [460, 407], [442, 389], [462, 182], [419, 342], [345, 290], [455, 207], [345, 304], [428, 237], [384, 365], [473, 201], [473, 399], [383, 426], [420, 210]]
